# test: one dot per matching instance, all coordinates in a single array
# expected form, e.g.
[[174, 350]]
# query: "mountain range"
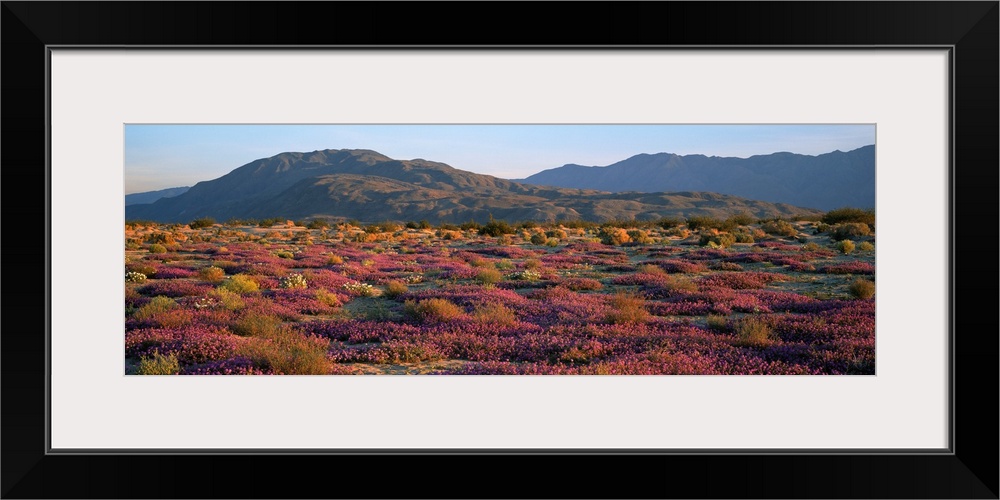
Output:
[[827, 181], [151, 196], [370, 187]]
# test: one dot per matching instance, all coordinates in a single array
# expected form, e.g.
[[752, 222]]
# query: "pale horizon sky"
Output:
[[165, 156]]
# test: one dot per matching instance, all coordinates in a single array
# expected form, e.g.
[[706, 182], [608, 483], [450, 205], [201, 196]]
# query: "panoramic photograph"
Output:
[[499, 249]]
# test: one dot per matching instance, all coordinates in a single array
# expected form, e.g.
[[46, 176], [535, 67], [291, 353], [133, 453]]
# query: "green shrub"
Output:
[[158, 304], [866, 246], [538, 239], [753, 331], [285, 254], [779, 228], [202, 222], [743, 237], [847, 214], [432, 310], [862, 289], [552, 242], [256, 325], [489, 276], [227, 299], [669, 222], [639, 236], [704, 222], [318, 224], [845, 246], [159, 365], [157, 248], [717, 322], [848, 230], [743, 219], [496, 228], [240, 283], [723, 240]]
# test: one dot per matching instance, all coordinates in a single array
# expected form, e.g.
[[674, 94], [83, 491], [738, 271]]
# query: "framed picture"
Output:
[[925, 74]]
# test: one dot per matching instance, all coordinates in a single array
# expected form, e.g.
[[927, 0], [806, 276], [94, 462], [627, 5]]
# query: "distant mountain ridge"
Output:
[[370, 187], [151, 196], [825, 181]]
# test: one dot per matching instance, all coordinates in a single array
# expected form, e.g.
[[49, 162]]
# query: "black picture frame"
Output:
[[968, 470]]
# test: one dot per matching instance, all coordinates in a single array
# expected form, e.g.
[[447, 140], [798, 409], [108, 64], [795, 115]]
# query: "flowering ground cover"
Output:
[[537, 299]]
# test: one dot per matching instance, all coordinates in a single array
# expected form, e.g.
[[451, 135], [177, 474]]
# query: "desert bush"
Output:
[[493, 313], [848, 230], [504, 240], [556, 233], [779, 228], [432, 310], [159, 365], [256, 325], [292, 281], [651, 269], [489, 276], [811, 247], [157, 248], [156, 305], [742, 219], [318, 224], [723, 240], [161, 238], [227, 299], [866, 246], [578, 284], [674, 283], [627, 308], [862, 289], [134, 277], [325, 296], [743, 237], [496, 228], [669, 222], [639, 236], [202, 222], [468, 226], [270, 222], [240, 283], [538, 239], [552, 242], [614, 236], [845, 246], [753, 331], [333, 260], [532, 263], [211, 273], [284, 254], [394, 289], [847, 214], [704, 222], [717, 322], [290, 353]]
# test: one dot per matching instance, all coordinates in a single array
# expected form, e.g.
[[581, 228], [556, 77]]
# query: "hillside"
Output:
[[368, 186], [826, 181]]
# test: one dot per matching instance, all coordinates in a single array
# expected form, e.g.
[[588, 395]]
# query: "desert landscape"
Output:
[[697, 295]]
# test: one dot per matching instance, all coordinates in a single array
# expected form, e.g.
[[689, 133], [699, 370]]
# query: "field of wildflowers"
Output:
[[759, 297]]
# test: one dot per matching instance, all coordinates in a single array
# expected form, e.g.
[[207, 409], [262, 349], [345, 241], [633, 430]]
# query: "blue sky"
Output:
[[162, 156]]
